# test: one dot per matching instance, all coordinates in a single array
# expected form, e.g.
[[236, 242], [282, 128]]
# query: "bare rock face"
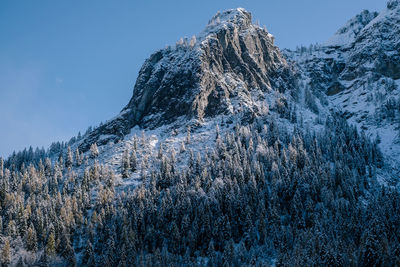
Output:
[[197, 80], [200, 78]]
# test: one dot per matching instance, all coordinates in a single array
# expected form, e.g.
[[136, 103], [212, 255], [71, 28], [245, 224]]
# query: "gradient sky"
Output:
[[66, 65]]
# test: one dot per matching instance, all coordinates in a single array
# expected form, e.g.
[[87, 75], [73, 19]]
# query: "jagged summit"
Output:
[[346, 35], [224, 67], [238, 18]]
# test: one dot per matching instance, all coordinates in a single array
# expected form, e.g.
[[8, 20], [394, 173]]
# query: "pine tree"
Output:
[[88, 256], [69, 161], [94, 150], [109, 255], [67, 251], [133, 161], [51, 245], [193, 41], [374, 247], [160, 151], [183, 148], [125, 164], [6, 254], [61, 162], [135, 143], [173, 156], [31, 239], [12, 229], [78, 158], [143, 139]]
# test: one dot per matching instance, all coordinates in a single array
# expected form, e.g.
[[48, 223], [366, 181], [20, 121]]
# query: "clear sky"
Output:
[[66, 65]]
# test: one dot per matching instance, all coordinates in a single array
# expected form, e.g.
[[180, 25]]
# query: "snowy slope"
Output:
[[346, 35], [359, 70]]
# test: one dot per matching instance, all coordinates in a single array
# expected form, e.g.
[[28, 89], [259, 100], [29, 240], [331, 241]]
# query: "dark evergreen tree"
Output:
[[6, 253], [69, 158], [126, 168]]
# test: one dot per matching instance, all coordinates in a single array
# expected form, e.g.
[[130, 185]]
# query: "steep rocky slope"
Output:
[[232, 60], [233, 69], [358, 69]]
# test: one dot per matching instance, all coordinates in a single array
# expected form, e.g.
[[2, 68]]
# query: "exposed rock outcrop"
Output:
[[230, 59]]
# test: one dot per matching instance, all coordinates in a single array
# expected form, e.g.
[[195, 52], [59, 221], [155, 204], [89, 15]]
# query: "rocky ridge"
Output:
[[232, 60], [232, 68], [358, 70]]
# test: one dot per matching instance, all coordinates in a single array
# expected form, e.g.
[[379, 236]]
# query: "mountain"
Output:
[[359, 71], [232, 66], [347, 34], [231, 152], [232, 60]]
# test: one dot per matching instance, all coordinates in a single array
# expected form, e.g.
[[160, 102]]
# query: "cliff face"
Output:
[[198, 79], [232, 59]]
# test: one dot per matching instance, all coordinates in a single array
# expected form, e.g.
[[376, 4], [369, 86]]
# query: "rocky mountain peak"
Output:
[[214, 73], [198, 80], [239, 18]]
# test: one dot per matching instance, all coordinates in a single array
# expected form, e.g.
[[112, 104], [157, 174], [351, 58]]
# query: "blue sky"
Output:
[[66, 65]]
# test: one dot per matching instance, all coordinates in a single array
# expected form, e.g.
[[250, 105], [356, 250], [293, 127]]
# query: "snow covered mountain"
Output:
[[224, 69], [229, 153], [346, 35], [359, 70], [232, 68]]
